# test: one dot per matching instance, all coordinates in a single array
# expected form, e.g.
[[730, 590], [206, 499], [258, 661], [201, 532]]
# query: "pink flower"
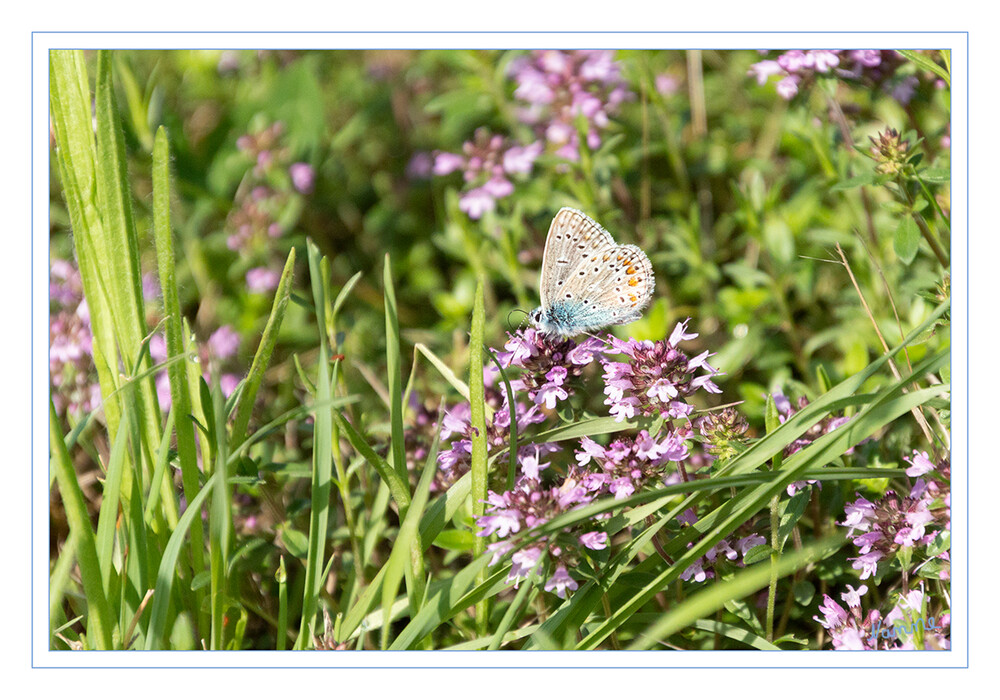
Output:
[[476, 202], [302, 175], [594, 540], [262, 279], [446, 163], [561, 582], [223, 343]]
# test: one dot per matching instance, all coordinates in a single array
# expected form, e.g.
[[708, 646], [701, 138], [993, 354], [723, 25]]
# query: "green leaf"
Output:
[[296, 542], [852, 182], [927, 64], [100, 619], [907, 240], [936, 175], [262, 357], [757, 553], [804, 592], [457, 540], [480, 448], [201, 580]]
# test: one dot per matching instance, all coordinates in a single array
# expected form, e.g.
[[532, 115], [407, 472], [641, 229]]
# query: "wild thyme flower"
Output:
[[796, 69], [722, 554], [827, 425], [303, 176], [486, 161], [71, 364], [852, 630], [910, 614], [849, 629], [563, 87], [724, 432], [261, 280], [268, 188], [889, 151], [455, 459], [222, 345], [530, 504], [626, 465], [656, 378], [549, 363], [895, 522]]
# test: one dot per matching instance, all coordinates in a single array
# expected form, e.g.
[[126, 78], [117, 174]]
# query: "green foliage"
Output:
[[806, 239]]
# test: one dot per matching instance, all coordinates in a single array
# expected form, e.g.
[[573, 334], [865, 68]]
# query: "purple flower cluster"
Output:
[[827, 425], [222, 345], [722, 553], [561, 87], [71, 362], [852, 630], [548, 363], [849, 629], [798, 68], [263, 198], [656, 378], [486, 163], [530, 504], [455, 461], [626, 465], [894, 522]]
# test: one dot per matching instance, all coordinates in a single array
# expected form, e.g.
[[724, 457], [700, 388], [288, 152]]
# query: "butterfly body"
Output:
[[588, 281]]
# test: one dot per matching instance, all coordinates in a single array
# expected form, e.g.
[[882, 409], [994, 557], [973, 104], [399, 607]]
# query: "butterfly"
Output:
[[588, 281]]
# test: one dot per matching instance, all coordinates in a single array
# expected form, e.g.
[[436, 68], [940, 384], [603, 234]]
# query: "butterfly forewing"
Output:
[[571, 245]]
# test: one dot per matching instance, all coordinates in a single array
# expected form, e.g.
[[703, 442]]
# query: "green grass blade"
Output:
[[180, 391], [322, 461], [100, 618], [263, 355], [219, 523], [60, 581], [76, 154], [480, 448], [926, 64], [168, 567], [394, 371], [397, 487], [407, 541], [110, 501], [120, 254], [712, 598]]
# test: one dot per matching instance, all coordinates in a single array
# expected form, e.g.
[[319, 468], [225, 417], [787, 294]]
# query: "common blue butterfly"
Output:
[[588, 281]]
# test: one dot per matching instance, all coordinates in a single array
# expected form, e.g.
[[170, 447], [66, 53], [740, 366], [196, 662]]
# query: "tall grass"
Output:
[[390, 550]]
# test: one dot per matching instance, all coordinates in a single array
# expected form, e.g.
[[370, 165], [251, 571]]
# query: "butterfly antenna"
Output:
[[519, 311], [519, 326]]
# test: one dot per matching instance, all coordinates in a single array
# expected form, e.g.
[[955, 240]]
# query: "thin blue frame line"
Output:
[[31, 337], [48, 246], [503, 31], [968, 374]]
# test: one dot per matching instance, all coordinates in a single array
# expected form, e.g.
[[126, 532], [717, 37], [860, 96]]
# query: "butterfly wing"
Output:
[[621, 286], [570, 246], [588, 281]]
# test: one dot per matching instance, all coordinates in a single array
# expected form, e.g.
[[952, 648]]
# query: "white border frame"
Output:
[[957, 657]]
